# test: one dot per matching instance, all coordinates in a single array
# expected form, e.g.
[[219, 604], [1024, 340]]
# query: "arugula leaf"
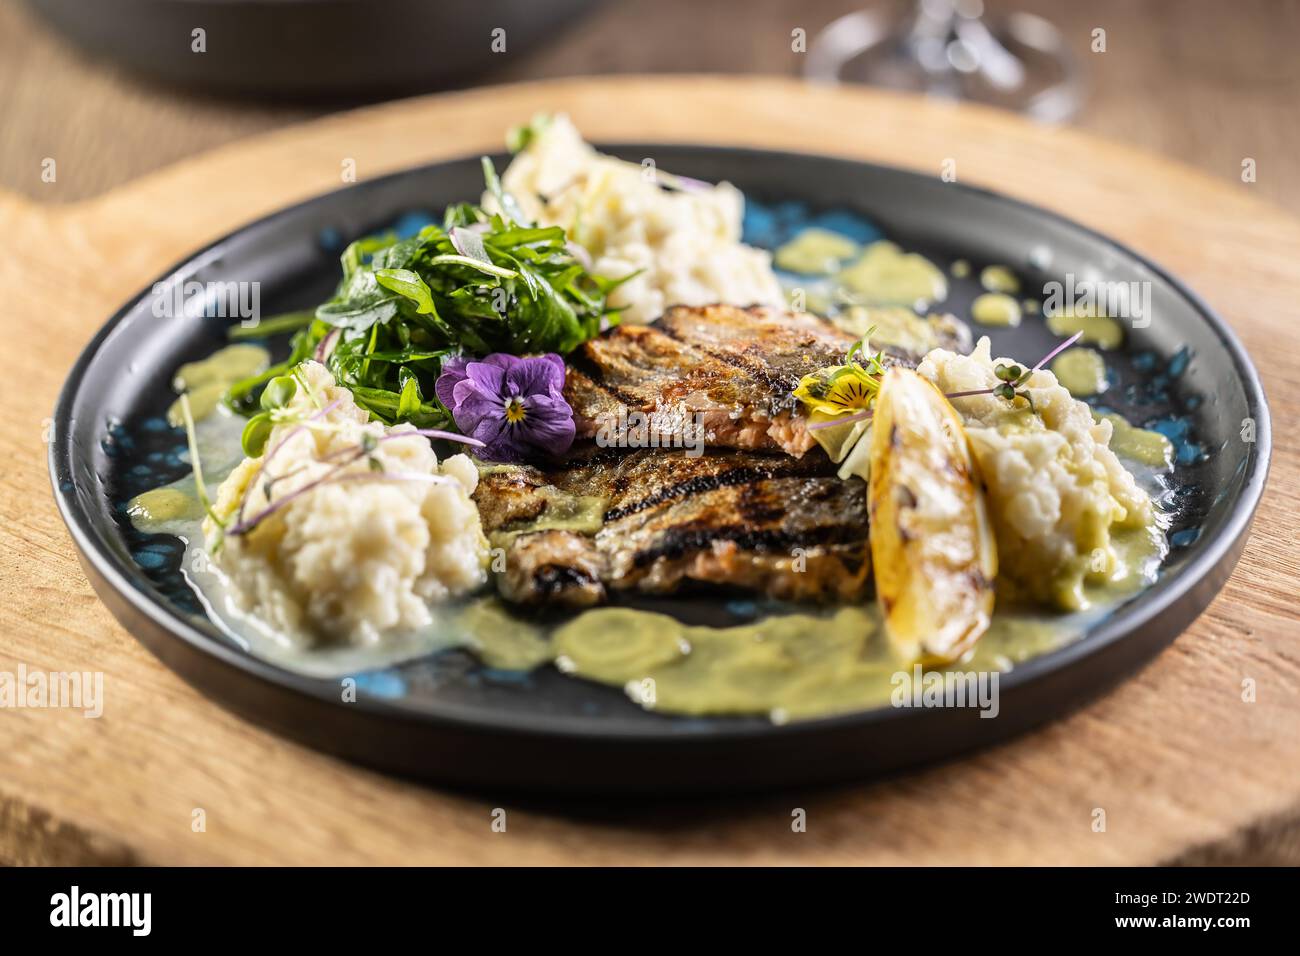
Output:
[[409, 401], [479, 264], [408, 283], [476, 284], [506, 201]]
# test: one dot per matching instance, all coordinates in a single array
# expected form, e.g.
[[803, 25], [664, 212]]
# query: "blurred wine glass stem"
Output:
[[947, 48]]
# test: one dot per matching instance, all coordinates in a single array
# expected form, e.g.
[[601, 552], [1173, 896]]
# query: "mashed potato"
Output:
[[1055, 489], [685, 241], [349, 560]]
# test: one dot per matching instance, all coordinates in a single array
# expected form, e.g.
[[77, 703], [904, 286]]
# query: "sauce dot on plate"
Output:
[[1081, 371], [995, 308]]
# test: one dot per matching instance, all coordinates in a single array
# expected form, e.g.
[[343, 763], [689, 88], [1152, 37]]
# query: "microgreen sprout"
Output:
[[278, 393], [1011, 378]]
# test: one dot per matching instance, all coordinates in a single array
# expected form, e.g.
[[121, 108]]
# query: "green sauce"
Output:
[[157, 509], [999, 279], [1138, 444], [582, 514], [225, 365], [995, 308], [1097, 330], [206, 381], [890, 325], [1138, 553], [885, 275], [800, 664], [814, 300], [815, 252], [502, 640], [789, 666], [1081, 371], [204, 400]]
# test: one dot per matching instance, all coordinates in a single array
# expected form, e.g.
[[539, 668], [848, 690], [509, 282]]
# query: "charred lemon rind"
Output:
[[931, 537]]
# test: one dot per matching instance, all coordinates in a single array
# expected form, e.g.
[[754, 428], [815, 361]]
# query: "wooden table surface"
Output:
[[1185, 770]]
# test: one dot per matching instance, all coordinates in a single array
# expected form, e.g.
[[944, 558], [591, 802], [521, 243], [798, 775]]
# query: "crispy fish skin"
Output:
[[515, 496], [731, 369], [781, 540], [560, 567], [768, 523]]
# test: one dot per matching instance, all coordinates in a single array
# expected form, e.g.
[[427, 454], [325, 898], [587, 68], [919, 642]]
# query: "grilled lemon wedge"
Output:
[[931, 541]]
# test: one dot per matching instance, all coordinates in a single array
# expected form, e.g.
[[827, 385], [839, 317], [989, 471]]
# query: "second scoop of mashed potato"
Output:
[[1056, 491], [684, 244], [364, 553]]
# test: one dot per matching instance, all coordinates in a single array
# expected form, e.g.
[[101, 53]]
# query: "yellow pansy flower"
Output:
[[842, 389]]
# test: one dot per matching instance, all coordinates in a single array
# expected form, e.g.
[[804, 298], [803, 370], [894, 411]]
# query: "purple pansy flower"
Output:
[[515, 406]]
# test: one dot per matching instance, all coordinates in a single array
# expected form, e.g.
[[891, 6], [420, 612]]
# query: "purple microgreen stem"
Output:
[[1023, 378], [326, 345], [859, 417], [301, 426], [244, 526], [1057, 351], [353, 453]]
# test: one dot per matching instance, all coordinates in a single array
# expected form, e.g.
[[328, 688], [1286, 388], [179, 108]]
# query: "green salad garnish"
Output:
[[477, 284]]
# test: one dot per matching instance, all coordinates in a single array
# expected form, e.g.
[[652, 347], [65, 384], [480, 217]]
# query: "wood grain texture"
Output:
[[1183, 768]]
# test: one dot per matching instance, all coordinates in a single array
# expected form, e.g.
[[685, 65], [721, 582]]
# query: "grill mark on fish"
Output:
[[736, 476], [554, 578], [736, 360], [761, 342], [731, 370], [727, 518], [595, 375], [677, 542]]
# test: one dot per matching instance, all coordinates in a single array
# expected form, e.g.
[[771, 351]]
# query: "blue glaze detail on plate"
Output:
[[331, 240], [411, 223], [1144, 361], [149, 560], [1178, 429], [386, 683], [772, 225]]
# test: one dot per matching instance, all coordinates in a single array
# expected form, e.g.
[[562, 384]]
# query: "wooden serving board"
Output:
[[1184, 769]]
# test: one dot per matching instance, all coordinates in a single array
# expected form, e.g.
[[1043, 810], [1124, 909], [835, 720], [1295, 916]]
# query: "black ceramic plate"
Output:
[[447, 719]]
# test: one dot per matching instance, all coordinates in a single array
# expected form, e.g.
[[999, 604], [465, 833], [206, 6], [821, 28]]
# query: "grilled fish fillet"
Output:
[[727, 369], [652, 520]]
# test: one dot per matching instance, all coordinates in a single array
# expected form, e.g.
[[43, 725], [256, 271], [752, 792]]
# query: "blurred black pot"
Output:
[[307, 48]]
